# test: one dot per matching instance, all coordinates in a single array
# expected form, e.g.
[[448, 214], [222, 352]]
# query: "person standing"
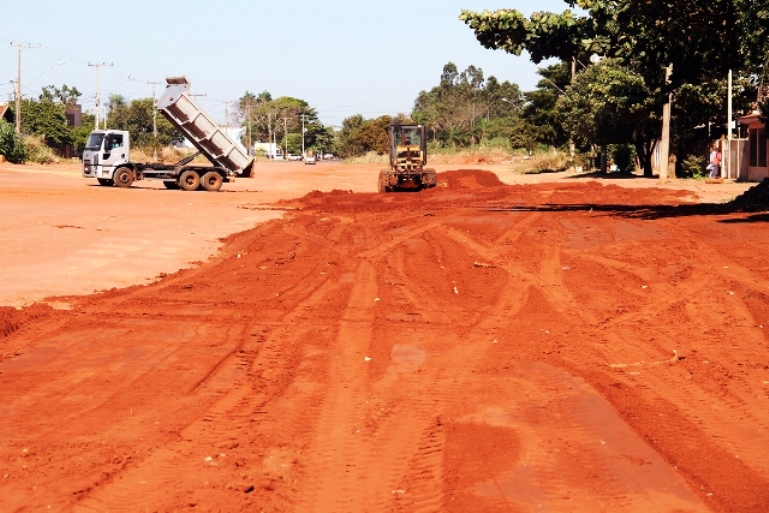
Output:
[[715, 162]]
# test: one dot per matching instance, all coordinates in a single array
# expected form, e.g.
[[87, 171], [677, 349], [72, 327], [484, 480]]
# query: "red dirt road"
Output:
[[561, 346]]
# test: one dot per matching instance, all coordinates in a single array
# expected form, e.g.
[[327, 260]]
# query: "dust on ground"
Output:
[[572, 345]]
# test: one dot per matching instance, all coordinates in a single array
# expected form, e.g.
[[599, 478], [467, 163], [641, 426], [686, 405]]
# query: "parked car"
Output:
[[310, 160], [291, 156]]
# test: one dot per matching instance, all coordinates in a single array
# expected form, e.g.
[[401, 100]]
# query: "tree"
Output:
[[541, 118], [45, 118], [137, 118], [608, 104], [66, 96], [80, 133], [359, 136], [275, 120], [699, 41], [11, 145], [461, 99]]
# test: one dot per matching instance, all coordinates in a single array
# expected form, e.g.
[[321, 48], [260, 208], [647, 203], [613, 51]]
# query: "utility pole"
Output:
[[19, 46], [303, 155], [154, 122], [98, 99], [248, 129], [227, 113], [285, 134], [729, 122], [665, 141], [572, 146]]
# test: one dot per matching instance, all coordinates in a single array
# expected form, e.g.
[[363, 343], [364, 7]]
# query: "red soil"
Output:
[[563, 346]]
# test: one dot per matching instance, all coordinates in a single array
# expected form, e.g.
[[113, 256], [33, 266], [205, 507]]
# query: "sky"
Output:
[[343, 57]]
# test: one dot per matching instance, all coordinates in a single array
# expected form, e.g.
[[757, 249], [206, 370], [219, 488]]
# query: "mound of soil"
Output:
[[755, 198], [469, 179]]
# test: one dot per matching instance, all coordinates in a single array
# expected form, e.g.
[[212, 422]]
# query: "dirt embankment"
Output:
[[479, 346]]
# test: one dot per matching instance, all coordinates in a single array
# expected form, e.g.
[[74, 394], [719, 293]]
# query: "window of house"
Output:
[[757, 147]]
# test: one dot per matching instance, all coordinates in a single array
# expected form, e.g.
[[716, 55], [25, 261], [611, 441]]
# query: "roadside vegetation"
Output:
[[599, 102]]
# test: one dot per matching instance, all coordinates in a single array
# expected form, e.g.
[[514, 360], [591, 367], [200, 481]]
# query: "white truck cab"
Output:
[[104, 152]]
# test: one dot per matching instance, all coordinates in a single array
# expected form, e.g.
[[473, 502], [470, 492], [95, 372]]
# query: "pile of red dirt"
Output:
[[469, 179], [755, 198]]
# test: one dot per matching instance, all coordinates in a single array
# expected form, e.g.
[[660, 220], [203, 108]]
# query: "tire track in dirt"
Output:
[[338, 481], [108, 389], [479, 394], [227, 434], [720, 415]]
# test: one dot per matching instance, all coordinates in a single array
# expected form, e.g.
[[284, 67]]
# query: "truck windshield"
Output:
[[408, 136], [94, 142]]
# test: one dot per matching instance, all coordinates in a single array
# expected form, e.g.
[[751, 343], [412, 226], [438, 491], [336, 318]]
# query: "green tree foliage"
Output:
[[66, 96], [11, 145], [541, 119], [80, 133], [701, 41], [359, 136], [136, 118], [46, 116], [465, 108], [47, 119], [281, 120], [607, 104]]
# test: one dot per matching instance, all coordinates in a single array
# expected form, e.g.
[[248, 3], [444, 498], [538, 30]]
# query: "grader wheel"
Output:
[[383, 185]]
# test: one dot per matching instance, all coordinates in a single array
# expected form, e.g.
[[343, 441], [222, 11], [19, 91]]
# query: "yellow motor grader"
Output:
[[408, 158]]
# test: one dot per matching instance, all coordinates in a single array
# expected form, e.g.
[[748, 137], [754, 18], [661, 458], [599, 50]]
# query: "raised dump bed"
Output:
[[178, 107]]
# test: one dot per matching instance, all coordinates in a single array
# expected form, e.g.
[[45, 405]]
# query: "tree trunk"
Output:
[[644, 150]]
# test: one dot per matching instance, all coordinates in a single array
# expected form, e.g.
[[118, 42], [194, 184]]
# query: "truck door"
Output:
[[114, 149]]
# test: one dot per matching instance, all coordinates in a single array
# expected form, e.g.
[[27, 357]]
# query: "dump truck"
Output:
[[408, 158], [107, 154]]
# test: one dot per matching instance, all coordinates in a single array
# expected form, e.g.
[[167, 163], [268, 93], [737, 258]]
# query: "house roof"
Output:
[[5, 111]]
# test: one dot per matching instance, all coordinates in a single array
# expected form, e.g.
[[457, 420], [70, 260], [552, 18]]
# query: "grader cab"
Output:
[[408, 158]]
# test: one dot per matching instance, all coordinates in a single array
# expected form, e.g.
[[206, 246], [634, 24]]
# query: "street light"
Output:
[[60, 63], [18, 93]]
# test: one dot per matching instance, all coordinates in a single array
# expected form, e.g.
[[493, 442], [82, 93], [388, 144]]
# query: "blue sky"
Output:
[[343, 57]]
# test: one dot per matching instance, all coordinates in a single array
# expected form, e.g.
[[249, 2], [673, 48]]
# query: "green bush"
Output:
[[694, 166], [11, 145], [38, 151]]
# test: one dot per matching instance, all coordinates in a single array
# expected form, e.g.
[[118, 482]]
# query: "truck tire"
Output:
[[171, 185], [211, 181], [428, 178], [189, 180], [106, 182], [123, 177]]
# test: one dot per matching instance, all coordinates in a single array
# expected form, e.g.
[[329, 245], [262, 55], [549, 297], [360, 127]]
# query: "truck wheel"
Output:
[[428, 178], [211, 181], [171, 185], [189, 180], [106, 182], [123, 177]]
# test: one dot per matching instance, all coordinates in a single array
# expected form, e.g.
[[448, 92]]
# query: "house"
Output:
[[757, 168], [6, 113]]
